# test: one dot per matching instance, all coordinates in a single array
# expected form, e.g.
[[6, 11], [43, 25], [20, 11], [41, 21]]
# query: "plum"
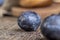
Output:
[[50, 27], [29, 21]]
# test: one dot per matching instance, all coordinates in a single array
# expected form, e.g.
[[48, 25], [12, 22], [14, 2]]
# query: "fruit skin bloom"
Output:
[[51, 27], [29, 21]]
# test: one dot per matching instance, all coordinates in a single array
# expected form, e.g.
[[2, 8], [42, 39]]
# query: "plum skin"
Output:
[[29, 21], [50, 27]]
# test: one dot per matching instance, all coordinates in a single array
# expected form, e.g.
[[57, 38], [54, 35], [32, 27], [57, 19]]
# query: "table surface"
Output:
[[9, 30]]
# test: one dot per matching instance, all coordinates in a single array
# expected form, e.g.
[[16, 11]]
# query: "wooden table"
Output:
[[9, 30]]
